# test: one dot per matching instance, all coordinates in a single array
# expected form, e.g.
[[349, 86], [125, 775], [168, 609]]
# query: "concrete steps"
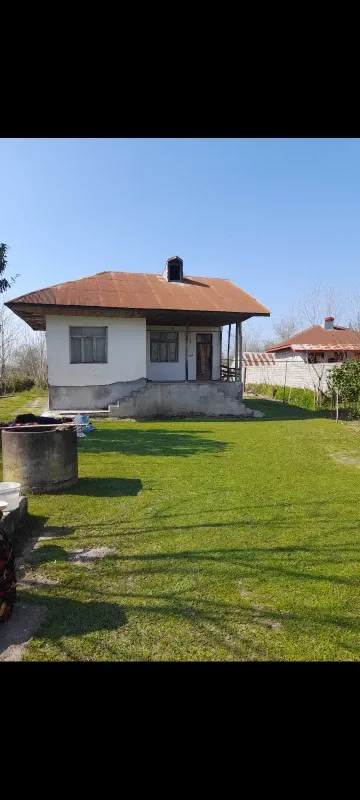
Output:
[[182, 399]]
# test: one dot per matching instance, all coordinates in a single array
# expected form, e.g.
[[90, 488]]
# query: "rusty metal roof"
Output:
[[319, 338], [135, 290]]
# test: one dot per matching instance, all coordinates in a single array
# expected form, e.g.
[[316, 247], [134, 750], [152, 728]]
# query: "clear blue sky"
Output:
[[274, 215]]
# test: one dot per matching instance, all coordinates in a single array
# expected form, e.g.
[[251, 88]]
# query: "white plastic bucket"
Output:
[[10, 494]]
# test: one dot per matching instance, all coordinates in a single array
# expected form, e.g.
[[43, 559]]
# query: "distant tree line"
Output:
[[22, 351]]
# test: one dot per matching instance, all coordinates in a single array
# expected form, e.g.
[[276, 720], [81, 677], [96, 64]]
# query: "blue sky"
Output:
[[274, 215]]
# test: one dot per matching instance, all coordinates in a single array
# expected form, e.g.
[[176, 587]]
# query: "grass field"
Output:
[[232, 541], [14, 404]]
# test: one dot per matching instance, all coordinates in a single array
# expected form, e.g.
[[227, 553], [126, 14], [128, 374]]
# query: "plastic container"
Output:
[[3, 506], [10, 494]]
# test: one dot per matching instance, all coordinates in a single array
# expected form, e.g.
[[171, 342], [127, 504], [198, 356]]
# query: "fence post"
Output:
[[228, 354], [237, 351], [241, 360], [286, 365]]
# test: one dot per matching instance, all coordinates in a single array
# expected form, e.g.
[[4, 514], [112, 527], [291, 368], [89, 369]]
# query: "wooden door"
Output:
[[203, 356]]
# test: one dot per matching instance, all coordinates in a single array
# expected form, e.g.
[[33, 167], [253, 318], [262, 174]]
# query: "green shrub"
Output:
[[346, 381], [303, 398], [15, 382]]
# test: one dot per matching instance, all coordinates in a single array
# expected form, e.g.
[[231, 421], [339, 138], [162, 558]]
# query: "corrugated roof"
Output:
[[319, 338], [135, 290]]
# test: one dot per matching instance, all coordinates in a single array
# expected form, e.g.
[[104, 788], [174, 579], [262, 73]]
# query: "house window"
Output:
[[164, 346], [357, 355], [339, 356], [88, 345]]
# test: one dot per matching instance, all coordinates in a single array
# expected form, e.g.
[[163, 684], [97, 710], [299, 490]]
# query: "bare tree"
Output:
[[286, 328], [252, 338], [31, 357], [311, 305], [354, 318], [318, 302], [9, 335]]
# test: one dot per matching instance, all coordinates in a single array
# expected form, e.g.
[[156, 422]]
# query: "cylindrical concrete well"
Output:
[[40, 458]]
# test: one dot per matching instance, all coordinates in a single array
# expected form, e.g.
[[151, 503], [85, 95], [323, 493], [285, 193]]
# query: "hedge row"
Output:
[[304, 398], [15, 383]]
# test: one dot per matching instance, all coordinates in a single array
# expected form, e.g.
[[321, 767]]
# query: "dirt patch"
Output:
[[268, 623], [352, 458], [79, 556], [37, 580], [16, 634], [37, 403], [243, 592], [258, 610]]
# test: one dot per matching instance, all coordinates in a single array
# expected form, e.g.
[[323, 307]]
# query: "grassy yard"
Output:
[[232, 541], [13, 404]]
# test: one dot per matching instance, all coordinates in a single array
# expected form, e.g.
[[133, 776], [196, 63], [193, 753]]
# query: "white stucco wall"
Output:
[[157, 371], [288, 355], [126, 351]]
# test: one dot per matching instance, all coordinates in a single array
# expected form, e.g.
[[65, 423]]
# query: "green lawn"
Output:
[[13, 404], [233, 541]]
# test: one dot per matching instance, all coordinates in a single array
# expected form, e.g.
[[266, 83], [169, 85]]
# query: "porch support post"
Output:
[[220, 353], [240, 360], [228, 354], [237, 351], [187, 352]]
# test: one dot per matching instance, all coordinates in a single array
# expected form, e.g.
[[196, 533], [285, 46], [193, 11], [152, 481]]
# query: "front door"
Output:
[[203, 356]]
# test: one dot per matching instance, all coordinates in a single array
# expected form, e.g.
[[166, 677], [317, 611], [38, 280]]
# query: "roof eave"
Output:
[[34, 314]]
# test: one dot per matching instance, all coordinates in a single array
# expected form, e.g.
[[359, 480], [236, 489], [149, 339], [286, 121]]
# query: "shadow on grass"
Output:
[[266, 561], [67, 617], [47, 553], [276, 411], [150, 442], [106, 487]]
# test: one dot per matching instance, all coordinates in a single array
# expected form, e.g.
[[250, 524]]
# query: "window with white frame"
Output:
[[164, 346], [88, 345]]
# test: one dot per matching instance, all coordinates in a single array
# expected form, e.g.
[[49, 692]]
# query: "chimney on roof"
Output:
[[328, 323], [173, 271]]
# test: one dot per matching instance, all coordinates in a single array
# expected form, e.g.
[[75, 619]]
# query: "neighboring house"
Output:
[[148, 343], [318, 344], [305, 360]]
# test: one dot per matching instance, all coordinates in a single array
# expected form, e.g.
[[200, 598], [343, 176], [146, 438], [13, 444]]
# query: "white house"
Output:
[[327, 343], [144, 343]]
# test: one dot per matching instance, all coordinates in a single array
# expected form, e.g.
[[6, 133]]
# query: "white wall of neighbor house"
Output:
[[289, 355], [167, 371], [126, 351]]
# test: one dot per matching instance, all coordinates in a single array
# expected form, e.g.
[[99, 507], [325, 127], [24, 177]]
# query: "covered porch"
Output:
[[190, 348]]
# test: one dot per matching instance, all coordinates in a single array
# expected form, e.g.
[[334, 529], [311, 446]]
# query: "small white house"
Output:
[[144, 342], [327, 343], [305, 360]]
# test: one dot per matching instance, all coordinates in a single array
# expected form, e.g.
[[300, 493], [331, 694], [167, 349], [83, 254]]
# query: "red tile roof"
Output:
[[134, 290], [319, 338]]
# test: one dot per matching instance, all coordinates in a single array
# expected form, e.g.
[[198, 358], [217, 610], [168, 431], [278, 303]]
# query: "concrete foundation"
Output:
[[41, 460], [11, 520], [92, 398], [182, 399]]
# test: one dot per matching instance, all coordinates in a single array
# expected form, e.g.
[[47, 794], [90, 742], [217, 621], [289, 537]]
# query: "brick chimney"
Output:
[[328, 323]]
